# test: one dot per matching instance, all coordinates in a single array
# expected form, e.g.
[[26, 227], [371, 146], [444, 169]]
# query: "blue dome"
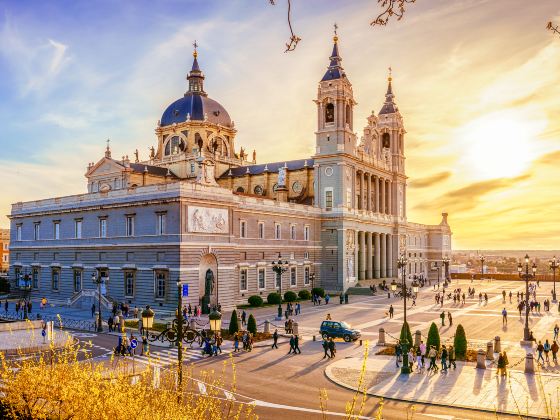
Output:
[[196, 106]]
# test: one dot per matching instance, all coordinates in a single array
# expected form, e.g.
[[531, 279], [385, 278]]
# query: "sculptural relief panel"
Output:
[[207, 220]]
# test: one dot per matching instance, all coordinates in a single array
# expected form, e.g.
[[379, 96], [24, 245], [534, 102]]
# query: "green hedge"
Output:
[[460, 342], [233, 323], [274, 298], [318, 291], [290, 296], [433, 337], [304, 294], [255, 300], [252, 325]]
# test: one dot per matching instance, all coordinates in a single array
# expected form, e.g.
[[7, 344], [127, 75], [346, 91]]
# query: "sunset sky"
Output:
[[477, 81]]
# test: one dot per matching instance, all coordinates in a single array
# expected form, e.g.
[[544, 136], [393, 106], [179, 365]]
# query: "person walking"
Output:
[[442, 316], [432, 354], [419, 360], [391, 311], [327, 298], [554, 348], [506, 362], [398, 352], [332, 347], [546, 349], [296, 345], [423, 352], [450, 318], [501, 365], [444, 355], [92, 310], [510, 295], [504, 316], [326, 348], [540, 349], [29, 306], [275, 339], [292, 345], [110, 323], [556, 329], [219, 341], [236, 342], [243, 318], [451, 355]]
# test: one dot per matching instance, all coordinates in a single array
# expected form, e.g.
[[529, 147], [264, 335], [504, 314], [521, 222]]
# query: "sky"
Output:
[[477, 82]]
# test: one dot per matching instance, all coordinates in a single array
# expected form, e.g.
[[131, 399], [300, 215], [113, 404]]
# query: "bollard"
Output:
[[314, 338], [381, 340], [529, 363], [295, 328], [346, 298], [417, 338], [489, 351], [267, 326], [480, 356], [360, 341], [497, 344]]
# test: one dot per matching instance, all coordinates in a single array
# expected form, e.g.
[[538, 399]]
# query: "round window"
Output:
[[258, 190], [275, 187], [297, 187], [328, 171]]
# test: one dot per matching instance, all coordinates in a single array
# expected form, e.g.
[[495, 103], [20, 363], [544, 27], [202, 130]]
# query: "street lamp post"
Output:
[[436, 268], [147, 322], [25, 287], [280, 267], [179, 336], [312, 278], [526, 276], [482, 259], [554, 265], [97, 279], [402, 262]]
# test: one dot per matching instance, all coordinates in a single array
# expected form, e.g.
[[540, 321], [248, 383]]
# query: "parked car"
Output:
[[339, 329]]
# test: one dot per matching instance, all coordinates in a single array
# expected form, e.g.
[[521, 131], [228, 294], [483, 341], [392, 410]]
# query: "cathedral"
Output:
[[202, 212]]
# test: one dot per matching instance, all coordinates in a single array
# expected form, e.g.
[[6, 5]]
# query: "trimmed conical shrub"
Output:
[[460, 342], [252, 325], [405, 333], [233, 323], [433, 337]]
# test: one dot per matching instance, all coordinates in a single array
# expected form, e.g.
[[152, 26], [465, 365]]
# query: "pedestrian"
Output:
[[510, 295], [110, 323], [391, 311], [398, 352], [144, 346], [411, 358], [92, 310], [554, 348], [432, 354], [116, 323], [29, 306], [442, 316], [332, 347], [506, 362], [504, 316], [540, 349], [419, 360], [423, 352], [451, 355], [298, 308], [219, 341], [450, 318], [556, 329], [236, 342], [275, 339], [327, 298], [296, 345], [326, 348], [546, 349], [444, 355], [17, 308], [292, 345], [243, 318], [501, 365]]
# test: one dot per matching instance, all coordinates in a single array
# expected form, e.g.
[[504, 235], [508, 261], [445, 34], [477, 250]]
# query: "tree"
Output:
[[290, 296], [433, 337], [405, 333], [460, 342], [252, 325], [233, 323], [274, 298], [255, 300]]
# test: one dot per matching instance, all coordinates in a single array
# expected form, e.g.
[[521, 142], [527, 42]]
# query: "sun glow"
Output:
[[499, 145]]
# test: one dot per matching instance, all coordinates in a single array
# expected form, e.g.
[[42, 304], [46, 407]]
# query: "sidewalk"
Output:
[[465, 387]]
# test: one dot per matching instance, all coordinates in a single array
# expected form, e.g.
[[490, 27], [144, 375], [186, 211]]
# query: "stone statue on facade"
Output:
[[282, 176]]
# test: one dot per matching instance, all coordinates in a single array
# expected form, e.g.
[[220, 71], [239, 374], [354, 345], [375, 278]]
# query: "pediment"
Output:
[[105, 166]]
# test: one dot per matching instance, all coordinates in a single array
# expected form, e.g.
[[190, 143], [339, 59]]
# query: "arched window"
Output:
[[174, 146], [198, 141], [219, 147], [348, 114], [329, 113], [386, 140], [240, 190]]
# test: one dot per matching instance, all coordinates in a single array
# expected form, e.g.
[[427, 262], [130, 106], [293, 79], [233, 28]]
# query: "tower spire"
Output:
[[195, 77], [335, 70], [389, 107]]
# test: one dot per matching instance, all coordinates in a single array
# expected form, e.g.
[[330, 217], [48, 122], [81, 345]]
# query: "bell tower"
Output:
[[335, 109]]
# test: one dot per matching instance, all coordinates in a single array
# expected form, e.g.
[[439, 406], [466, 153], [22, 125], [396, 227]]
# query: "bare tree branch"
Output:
[[391, 8], [552, 28], [294, 39]]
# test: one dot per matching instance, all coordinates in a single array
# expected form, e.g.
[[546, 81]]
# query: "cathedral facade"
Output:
[[202, 212]]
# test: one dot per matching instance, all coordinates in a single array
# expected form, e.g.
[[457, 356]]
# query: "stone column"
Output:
[[529, 362], [382, 196], [369, 193], [386, 208], [369, 260], [489, 351], [390, 255], [376, 179], [480, 359], [383, 255], [381, 340], [362, 190], [497, 344], [377, 256], [362, 272], [390, 197], [356, 253]]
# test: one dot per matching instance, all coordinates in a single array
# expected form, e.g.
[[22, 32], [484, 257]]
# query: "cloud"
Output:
[[35, 65], [468, 197], [429, 180]]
